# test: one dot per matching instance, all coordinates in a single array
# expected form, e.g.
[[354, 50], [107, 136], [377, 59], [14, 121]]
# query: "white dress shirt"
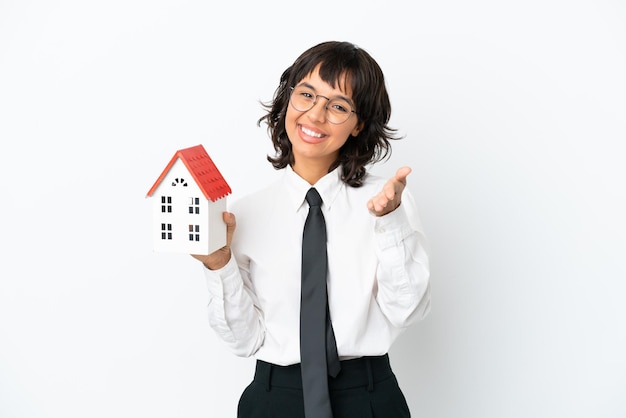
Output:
[[378, 272]]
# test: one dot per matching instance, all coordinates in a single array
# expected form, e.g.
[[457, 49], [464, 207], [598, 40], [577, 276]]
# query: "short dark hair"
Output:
[[339, 62]]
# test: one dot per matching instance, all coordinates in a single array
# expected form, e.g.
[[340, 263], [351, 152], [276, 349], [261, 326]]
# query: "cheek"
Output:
[[348, 132], [291, 115], [291, 118]]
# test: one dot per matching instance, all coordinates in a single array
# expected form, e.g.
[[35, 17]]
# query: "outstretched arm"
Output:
[[403, 273]]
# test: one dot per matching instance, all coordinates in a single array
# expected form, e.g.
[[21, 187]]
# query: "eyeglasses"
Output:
[[338, 110]]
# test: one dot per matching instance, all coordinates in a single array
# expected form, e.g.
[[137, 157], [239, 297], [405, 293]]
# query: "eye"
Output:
[[339, 106], [304, 93]]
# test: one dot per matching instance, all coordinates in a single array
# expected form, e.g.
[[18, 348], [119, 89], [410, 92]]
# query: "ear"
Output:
[[357, 129]]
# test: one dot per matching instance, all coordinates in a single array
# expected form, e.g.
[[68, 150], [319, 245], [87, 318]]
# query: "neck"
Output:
[[311, 172]]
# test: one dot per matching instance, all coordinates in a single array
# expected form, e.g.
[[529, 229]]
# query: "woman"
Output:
[[328, 121]]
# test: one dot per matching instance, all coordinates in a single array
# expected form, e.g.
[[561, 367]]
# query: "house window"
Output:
[[166, 231], [194, 232], [166, 204], [178, 181], [194, 205]]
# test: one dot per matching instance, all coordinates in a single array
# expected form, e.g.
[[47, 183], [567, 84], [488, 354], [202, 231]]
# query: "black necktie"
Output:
[[318, 349]]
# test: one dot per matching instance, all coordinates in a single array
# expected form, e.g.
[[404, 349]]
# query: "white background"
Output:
[[514, 115]]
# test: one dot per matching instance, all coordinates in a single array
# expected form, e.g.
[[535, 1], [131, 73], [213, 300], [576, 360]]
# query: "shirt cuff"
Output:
[[392, 228], [223, 281]]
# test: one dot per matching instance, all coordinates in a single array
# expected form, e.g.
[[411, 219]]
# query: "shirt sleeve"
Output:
[[403, 273], [233, 312]]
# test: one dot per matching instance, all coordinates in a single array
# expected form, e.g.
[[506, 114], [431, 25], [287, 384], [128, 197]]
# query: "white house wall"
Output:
[[217, 227], [178, 192]]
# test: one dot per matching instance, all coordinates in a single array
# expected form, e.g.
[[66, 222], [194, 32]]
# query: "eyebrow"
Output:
[[339, 96]]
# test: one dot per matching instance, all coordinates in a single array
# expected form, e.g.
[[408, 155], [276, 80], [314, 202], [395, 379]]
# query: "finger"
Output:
[[402, 173], [229, 219], [389, 190], [231, 223], [372, 204], [380, 202]]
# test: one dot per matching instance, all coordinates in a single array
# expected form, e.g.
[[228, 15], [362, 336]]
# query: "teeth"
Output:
[[310, 133]]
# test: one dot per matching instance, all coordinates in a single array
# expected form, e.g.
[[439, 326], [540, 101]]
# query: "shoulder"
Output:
[[371, 185], [373, 180], [257, 200]]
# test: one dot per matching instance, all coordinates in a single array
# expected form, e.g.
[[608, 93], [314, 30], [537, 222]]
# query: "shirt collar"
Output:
[[328, 187]]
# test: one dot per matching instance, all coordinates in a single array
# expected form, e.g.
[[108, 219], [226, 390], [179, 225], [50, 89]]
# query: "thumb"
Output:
[[402, 174], [231, 223], [229, 219]]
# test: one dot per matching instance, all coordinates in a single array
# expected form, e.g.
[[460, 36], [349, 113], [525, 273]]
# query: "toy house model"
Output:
[[188, 199]]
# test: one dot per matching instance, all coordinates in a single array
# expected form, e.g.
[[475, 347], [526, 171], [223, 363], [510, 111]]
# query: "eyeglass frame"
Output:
[[292, 88]]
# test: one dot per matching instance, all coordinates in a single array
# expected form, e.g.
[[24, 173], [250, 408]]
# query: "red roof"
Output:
[[202, 169]]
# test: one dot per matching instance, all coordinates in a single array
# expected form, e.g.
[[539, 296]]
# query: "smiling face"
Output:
[[315, 141]]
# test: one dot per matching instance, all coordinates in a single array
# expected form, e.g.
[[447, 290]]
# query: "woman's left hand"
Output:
[[388, 199]]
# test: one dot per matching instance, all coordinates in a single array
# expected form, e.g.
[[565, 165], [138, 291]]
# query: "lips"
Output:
[[311, 136]]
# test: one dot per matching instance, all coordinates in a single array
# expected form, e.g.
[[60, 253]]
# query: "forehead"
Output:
[[340, 83]]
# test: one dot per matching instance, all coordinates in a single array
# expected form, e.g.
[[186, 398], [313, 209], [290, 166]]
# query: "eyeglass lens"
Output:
[[337, 110]]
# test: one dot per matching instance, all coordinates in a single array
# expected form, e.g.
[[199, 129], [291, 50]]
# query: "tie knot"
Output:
[[313, 197]]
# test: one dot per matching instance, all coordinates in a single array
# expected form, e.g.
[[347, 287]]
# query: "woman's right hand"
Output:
[[218, 259]]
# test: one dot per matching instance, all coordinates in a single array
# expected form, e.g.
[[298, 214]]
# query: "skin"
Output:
[[316, 144]]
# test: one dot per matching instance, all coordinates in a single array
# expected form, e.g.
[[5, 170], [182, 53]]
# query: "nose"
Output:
[[318, 111]]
